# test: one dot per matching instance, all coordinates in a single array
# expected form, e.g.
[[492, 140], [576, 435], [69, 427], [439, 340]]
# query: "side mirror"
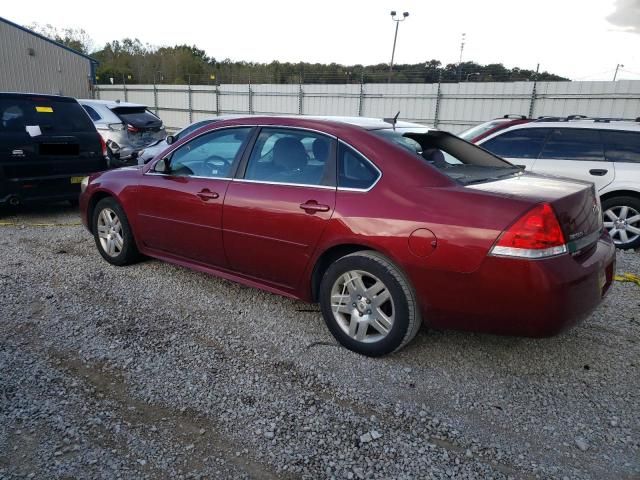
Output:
[[163, 166], [170, 139]]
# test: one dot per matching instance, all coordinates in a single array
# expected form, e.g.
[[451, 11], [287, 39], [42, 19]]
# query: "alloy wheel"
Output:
[[623, 224], [362, 306], [110, 232]]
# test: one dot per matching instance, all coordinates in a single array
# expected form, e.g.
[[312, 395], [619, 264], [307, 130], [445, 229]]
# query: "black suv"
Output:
[[48, 144]]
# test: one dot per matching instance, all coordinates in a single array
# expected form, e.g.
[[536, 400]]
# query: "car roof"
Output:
[[36, 95], [585, 123], [367, 123], [109, 103]]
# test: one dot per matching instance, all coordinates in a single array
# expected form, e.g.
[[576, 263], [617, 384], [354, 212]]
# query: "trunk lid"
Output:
[[574, 202], [143, 127]]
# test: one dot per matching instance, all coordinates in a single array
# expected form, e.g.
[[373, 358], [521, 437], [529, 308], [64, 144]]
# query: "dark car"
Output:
[[483, 130], [384, 228], [48, 144]]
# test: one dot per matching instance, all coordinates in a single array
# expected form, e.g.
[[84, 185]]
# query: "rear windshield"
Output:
[[139, 117], [454, 157], [44, 115]]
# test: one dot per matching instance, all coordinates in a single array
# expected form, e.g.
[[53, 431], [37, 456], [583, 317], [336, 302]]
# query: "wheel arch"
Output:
[[619, 193], [91, 205]]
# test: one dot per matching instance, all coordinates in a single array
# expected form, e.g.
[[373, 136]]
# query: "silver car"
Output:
[[125, 127]]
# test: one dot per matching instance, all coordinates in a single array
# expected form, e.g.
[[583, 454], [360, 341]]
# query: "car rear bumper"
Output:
[[52, 188], [521, 297]]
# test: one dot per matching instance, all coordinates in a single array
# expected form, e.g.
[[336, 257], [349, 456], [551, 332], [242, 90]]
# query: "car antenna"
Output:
[[393, 120]]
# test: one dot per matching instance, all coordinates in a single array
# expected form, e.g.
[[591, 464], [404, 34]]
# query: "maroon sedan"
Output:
[[483, 130], [385, 228]]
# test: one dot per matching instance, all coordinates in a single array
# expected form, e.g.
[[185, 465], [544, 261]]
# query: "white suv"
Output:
[[601, 150]]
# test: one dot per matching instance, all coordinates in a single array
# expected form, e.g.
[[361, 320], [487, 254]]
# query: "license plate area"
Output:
[[76, 179]]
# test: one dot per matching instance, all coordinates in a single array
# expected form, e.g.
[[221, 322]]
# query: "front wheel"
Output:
[[112, 233], [622, 220], [368, 304]]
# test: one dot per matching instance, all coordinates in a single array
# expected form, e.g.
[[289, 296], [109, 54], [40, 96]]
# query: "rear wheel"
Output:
[[622, 220], [112, 233], [368, 304]]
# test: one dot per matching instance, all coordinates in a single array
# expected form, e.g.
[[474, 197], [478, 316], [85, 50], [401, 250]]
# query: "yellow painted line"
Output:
[[17, 224], [628, 277]]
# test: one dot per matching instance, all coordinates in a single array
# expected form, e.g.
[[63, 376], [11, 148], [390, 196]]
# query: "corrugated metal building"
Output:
[[30, 62]]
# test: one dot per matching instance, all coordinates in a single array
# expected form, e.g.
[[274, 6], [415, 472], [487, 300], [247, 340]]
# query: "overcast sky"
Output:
[[579, 39]]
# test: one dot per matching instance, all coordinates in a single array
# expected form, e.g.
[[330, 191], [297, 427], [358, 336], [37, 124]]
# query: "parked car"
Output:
[[126, 128], [478, 132], [48, 145], [601, 150], [158, 146], [384, 228]]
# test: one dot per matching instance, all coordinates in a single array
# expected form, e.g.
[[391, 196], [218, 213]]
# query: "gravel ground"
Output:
[[155, 371]]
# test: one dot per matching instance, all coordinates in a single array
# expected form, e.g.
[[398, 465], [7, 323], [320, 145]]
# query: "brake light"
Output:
[[131, 128], [537, 234], [104, 146]]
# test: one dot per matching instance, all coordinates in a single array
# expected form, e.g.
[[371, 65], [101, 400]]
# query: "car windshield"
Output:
[[454, 157], [478, 130]]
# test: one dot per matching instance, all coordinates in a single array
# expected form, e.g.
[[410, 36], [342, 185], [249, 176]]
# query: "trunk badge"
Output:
[[17, 153]]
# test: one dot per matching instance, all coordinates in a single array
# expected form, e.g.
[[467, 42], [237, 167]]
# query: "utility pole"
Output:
[[395, 38], [463, 39]]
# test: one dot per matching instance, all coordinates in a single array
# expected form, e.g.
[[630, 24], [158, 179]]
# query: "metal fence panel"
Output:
[[453, 106]]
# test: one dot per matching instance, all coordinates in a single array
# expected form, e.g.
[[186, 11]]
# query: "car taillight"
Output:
[[537, 234], [104, 146], [132, 129]]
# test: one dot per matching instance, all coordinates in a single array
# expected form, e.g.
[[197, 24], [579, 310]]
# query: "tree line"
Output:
[[132, 62]]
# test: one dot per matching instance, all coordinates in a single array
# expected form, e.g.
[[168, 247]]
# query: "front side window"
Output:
[[520, 143], [574, 144], [210, 155], [621, 146], [354, 171], [283, 155]]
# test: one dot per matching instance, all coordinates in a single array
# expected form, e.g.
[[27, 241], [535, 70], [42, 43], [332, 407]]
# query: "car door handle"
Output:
[[313, 206], [598, 172], [207, 195]]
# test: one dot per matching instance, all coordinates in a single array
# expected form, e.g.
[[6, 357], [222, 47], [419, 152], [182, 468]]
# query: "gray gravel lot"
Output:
[[155, 371]]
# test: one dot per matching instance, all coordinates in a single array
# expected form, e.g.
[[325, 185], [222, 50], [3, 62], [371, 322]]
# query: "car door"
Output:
[[277, 208], [180, 209], [576, 153], [520, 146]]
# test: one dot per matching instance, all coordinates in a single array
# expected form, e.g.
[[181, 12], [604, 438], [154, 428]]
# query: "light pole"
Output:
[[618, 66], [462, 42], [395, 37]]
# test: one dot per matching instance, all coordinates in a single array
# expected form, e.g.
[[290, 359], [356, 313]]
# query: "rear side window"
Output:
[[574, 144], [138, 117], [51, 116], [354, 171], [95, 116], [520, 143], [621, 146]]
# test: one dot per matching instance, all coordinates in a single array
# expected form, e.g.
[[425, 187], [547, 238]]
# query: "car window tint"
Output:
[[574, 144], [354, 171], [282, 155], [621, 146], [520, 143], [92, 113], [210, 155]]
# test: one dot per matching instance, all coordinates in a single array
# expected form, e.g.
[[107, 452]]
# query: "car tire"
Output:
[[368, 304], [112, 233], [627, 211]]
